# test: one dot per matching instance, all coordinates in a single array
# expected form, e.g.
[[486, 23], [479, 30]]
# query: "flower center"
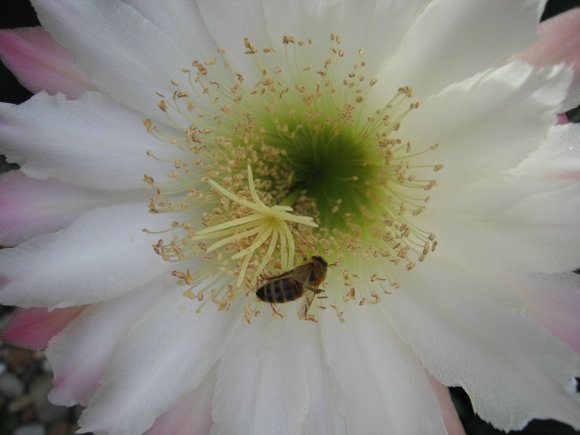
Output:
[[290, 163]]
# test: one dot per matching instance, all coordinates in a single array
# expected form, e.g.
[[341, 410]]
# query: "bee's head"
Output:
[[320, 260]]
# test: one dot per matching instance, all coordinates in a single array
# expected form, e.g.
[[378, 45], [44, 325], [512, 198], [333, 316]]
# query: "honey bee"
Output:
[[291, 285]]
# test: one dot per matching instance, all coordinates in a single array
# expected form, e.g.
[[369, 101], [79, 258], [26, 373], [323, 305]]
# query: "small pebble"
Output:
[[19, 359], [20, 403], [60, 428], [28, 415], [10, 385], [30, 429]]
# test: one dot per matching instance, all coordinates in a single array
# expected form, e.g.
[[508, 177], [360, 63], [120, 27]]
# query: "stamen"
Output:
[[344, 186]]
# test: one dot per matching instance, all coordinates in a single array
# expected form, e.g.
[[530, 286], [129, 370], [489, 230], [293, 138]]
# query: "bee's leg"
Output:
[[275, 313], [303, 309], [309, 299], [315, 290]]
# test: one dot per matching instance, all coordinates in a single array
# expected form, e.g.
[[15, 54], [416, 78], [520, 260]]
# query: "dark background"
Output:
[[19, 13]]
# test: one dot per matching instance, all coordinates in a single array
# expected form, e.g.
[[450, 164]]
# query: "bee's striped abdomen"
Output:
[[281, 290]]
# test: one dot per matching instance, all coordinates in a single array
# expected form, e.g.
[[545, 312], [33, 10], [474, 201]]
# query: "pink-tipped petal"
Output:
[[559, 42], [450, 417], [34, 327], [29, 207], [80, 354], [563, 119], [40, 63], [163, 356], [126, 55]]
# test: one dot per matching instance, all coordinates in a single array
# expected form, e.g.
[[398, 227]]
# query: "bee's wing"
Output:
[[302, 273]]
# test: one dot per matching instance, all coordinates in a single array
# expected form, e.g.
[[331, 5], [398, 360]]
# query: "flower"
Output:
[[445, 198]]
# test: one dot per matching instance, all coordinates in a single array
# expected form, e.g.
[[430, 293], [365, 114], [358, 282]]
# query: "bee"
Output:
[[291, 285]]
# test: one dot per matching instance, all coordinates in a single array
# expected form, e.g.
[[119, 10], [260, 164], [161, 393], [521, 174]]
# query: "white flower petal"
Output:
[[91, 142], [379, 385], [554, 300], [573, 99], [229, 23], [182, 22], [484, 124], [558, 157], [80, 353], [323, 416], [29, 207], [376, 26], [101, 255], [190, 415], [510, 224], [262, 385], [469, 329], [165, 355], [452, 40], [123, 54]]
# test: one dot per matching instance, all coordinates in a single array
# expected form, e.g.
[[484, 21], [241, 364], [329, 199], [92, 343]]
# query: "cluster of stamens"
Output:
[[311, 144]]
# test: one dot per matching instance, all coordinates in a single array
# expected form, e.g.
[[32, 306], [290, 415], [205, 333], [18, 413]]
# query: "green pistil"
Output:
[[339, 171], [292, 197]]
